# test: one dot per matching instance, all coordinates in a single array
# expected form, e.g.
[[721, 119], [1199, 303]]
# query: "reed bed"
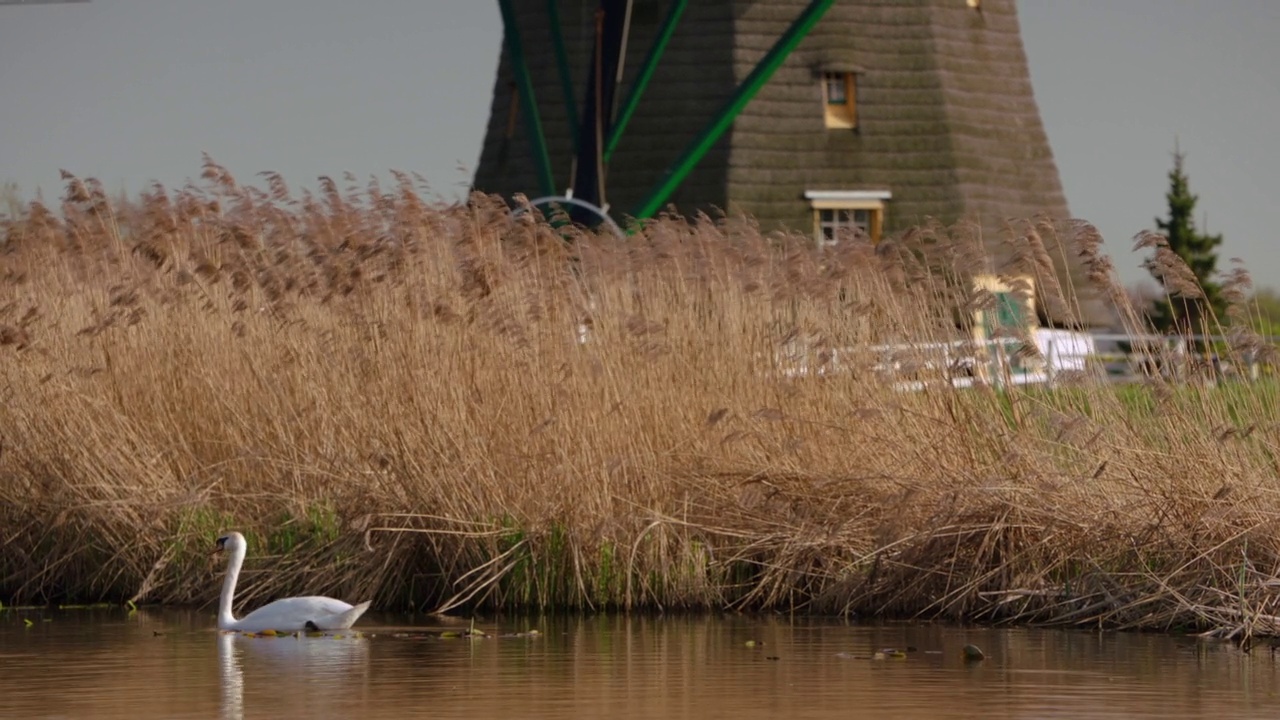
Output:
[[445, 407]]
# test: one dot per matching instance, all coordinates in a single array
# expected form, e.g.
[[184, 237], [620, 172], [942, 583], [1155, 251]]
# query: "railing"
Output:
[[1002, 362]]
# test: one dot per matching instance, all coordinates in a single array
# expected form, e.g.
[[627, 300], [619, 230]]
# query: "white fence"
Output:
[[1004, 361]]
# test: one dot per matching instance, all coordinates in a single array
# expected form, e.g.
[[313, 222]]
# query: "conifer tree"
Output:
[[1198, 250]]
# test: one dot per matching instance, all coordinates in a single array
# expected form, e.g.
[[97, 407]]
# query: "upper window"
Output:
[[840, 99]]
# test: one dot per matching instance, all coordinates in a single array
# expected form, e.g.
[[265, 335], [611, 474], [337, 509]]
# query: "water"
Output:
[[172, 664]]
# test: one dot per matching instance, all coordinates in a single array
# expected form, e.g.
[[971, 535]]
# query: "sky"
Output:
[[133, 91]]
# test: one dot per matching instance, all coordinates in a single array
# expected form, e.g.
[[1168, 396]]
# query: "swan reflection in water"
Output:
[[289, 676]]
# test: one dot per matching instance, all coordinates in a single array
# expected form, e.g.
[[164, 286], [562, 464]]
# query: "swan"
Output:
[[293, 614]]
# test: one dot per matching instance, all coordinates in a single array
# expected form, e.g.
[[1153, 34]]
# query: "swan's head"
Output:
[[230, 542]]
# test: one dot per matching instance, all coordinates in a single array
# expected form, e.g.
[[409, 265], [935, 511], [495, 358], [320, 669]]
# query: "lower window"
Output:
[[842, 215], [835, 224]]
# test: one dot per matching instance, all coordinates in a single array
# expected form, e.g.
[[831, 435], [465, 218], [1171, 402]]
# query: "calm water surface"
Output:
[[172, 664]]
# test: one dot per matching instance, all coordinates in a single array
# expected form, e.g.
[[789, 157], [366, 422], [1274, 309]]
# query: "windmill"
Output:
[[829, 117]]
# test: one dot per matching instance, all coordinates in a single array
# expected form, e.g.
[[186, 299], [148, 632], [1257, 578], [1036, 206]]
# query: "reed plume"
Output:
[[448, 406]]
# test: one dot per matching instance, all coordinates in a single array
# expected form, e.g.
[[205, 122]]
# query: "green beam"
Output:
[[529, 106], [676, 173], [562, 67], [646, 73]]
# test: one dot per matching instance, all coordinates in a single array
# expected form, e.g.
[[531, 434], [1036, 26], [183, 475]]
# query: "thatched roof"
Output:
[[947, 119]]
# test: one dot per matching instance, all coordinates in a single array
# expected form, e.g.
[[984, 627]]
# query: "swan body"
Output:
[[294, 614]]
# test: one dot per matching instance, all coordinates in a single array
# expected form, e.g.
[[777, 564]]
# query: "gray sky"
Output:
[[130, 91]]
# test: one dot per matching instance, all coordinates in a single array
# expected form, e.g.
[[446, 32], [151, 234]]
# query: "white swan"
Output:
[[286, 615]]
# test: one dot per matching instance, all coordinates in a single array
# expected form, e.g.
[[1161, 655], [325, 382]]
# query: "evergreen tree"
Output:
[[1198, 250]]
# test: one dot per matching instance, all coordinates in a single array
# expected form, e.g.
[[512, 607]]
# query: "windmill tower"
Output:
[[821, 116]]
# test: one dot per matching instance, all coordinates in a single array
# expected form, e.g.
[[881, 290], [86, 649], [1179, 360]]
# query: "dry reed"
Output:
[[392, 400]]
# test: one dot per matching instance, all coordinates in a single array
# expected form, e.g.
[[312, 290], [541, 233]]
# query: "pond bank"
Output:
[[393, 402]]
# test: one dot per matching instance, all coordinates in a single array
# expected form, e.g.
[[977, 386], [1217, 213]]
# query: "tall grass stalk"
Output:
[[392, 400]]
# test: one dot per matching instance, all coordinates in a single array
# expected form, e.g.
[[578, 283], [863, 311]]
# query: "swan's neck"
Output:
[[226, 620]]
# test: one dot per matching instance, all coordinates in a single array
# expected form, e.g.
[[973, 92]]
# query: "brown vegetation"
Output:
[[391, 400]]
